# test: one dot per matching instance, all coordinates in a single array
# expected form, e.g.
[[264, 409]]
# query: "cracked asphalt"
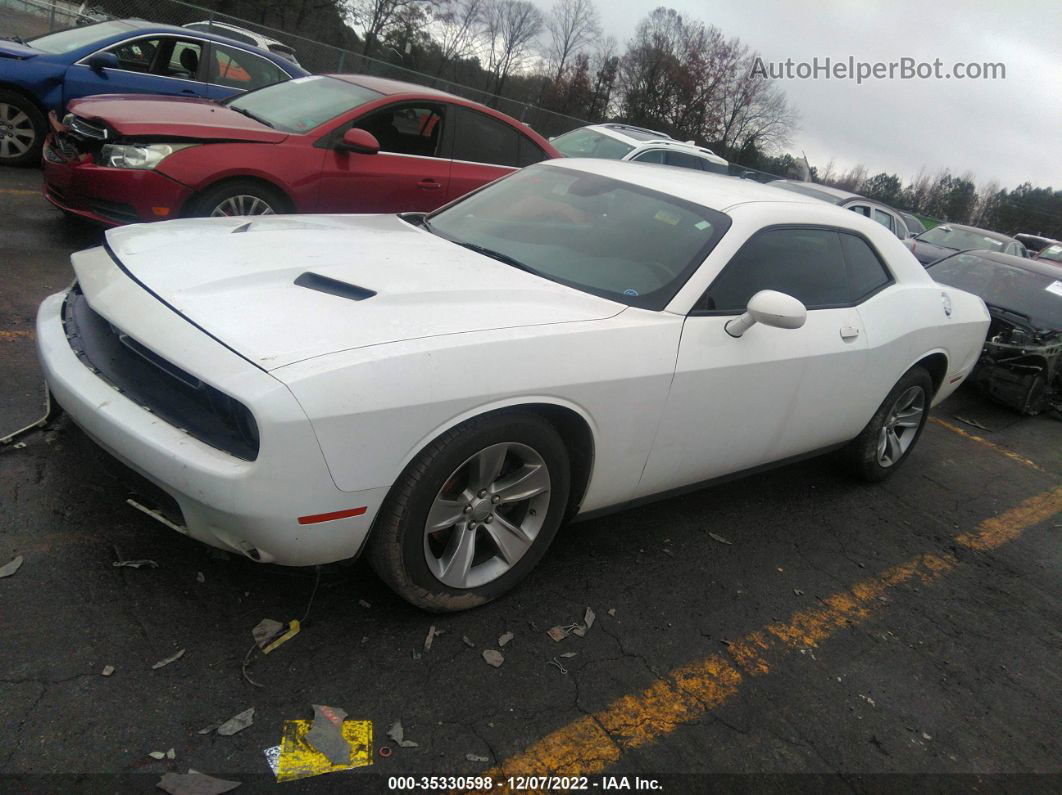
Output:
[[952, 672]]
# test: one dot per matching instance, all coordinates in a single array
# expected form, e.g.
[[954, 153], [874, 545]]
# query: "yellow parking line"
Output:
[[20, 192], [981, 440], [11, 336], [592, 743]]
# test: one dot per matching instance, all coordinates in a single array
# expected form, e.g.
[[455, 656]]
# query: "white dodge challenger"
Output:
[[444, 391]]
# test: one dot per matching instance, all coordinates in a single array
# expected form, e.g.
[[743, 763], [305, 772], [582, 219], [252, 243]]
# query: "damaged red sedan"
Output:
[[326, 144]]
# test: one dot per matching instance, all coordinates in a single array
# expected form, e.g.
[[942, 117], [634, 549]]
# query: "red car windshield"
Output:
[[297, 106]]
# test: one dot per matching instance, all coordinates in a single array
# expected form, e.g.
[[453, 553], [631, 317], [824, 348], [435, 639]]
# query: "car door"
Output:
[[772, 394], [152, 64], [484, 149], [232, 70], [410, 173]]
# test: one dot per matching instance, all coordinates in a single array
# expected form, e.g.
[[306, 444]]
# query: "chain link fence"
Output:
[[28, 18]]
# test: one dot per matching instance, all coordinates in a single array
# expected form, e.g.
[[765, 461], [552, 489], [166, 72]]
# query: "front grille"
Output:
[[114, 211], [86, 129], [140, 488], [66, 145], [156, 384]]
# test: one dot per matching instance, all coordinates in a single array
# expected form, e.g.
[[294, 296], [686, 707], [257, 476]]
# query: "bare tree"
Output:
[[457, 27], [510, 28], [573, 25], [604, 64], [377, 17]]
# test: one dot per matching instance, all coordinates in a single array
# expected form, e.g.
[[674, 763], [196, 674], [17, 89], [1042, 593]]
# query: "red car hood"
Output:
[[132, 115]]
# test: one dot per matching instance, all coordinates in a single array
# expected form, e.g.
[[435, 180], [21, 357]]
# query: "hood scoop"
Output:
[[323, 284]]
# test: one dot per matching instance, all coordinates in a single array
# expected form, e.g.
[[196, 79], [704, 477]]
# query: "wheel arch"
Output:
[[227, 178], [936, 364], [572, 423], [14, 88]]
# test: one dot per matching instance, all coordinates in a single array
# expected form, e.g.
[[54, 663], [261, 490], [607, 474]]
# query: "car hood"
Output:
[[287, 288], [132, 115], [928, 252], [12, 49]]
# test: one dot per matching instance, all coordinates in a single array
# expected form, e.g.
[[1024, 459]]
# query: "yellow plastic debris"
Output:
[[293, 630], [298, 759]]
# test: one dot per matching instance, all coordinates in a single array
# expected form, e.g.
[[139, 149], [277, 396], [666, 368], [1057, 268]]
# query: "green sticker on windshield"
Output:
[[666, 217], [702, 225]]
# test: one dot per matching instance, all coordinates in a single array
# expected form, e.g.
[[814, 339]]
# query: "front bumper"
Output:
[[248, 507], [111, 196]]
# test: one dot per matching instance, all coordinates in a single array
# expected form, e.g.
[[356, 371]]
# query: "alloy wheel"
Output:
[[487, 515], [241, 204], [17, 134], [901, 426]]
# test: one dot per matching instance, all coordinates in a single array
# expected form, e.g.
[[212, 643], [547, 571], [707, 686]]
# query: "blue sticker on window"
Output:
[[630, 292]]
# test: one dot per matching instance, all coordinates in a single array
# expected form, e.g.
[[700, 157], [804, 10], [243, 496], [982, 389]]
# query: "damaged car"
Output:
[[1021, 364], [442, 391]]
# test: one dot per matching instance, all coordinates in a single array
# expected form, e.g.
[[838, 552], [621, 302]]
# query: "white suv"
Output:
[[625, 142], [245, 36]]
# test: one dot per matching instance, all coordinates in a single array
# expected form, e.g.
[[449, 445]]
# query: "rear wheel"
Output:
[[22, 130], [894, 429], [240, 198], [473, 513]]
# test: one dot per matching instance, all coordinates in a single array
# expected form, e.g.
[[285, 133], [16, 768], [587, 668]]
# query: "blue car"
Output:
[[127, 56]]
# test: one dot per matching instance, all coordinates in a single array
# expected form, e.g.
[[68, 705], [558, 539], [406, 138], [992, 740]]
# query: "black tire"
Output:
[[861, 454], [396, 548], [207, 202], [20, 117]]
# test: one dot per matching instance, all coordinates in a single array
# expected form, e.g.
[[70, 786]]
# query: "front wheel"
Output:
[[894, 429], [239, 198], [22, 130], [473, 513]]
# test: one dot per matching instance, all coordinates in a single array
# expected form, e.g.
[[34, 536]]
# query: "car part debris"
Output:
[[385, 751], [51, 412], [272, 756], [237, 723], [719, 538], [557, 664], [465, 639], [107, 670], [157, 754], [398, 734], [971, 423], [559, 633], [588, 621], [612, 611], [326, 734], [568, 654], [171, 754], [199, 577], [433, 633], [166, 661], [194, 783], [293, 628], [210, 728], [493, 657], [363, 603], [11, 567], [505, 638], [477, 758], [135, 564]]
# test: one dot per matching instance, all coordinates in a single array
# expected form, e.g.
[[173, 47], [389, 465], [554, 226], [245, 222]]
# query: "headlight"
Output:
[[142, 156]]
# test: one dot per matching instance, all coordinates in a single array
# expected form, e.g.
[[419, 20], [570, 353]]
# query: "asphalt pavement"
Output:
[[793, 622]]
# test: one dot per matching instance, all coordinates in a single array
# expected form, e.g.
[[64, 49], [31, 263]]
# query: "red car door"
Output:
[[484, 149], [411, 172]]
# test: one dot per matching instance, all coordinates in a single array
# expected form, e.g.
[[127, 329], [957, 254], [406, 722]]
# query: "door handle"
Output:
[[849, 332], [189, 91], [429, 184]]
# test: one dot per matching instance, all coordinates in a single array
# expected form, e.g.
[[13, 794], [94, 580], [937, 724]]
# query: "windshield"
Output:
[[597, 234], [960, 239], [74, 39], [807, 190], [590, 143], [296, 106], [1053, 253], [1006, 286]]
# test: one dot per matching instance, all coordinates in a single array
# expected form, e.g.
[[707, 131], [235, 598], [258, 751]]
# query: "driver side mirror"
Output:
[[771, 308], [102, 60], [361, 141]]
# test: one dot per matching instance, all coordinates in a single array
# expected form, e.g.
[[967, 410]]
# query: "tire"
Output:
[[443, 481], [246, 193], [864, 454], [22, 130]]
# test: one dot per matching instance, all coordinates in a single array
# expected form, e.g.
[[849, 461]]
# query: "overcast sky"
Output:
[[1006, 130]]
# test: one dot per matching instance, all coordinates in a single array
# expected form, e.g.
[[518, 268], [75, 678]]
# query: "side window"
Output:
[[529, 152], [683, 160], [651, 156], [862, 209], [406, 129], [236, 68], [866, 273], [136, 56], [807, 264], [715, 168], [482, 139], [883, 218], [184, 60]]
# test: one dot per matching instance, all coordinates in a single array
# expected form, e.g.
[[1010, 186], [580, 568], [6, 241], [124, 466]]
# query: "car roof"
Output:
[[390, 87], [1031, 265], [157, 27], [715, 191], [986, 232], [226, 26], [840, 194]]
